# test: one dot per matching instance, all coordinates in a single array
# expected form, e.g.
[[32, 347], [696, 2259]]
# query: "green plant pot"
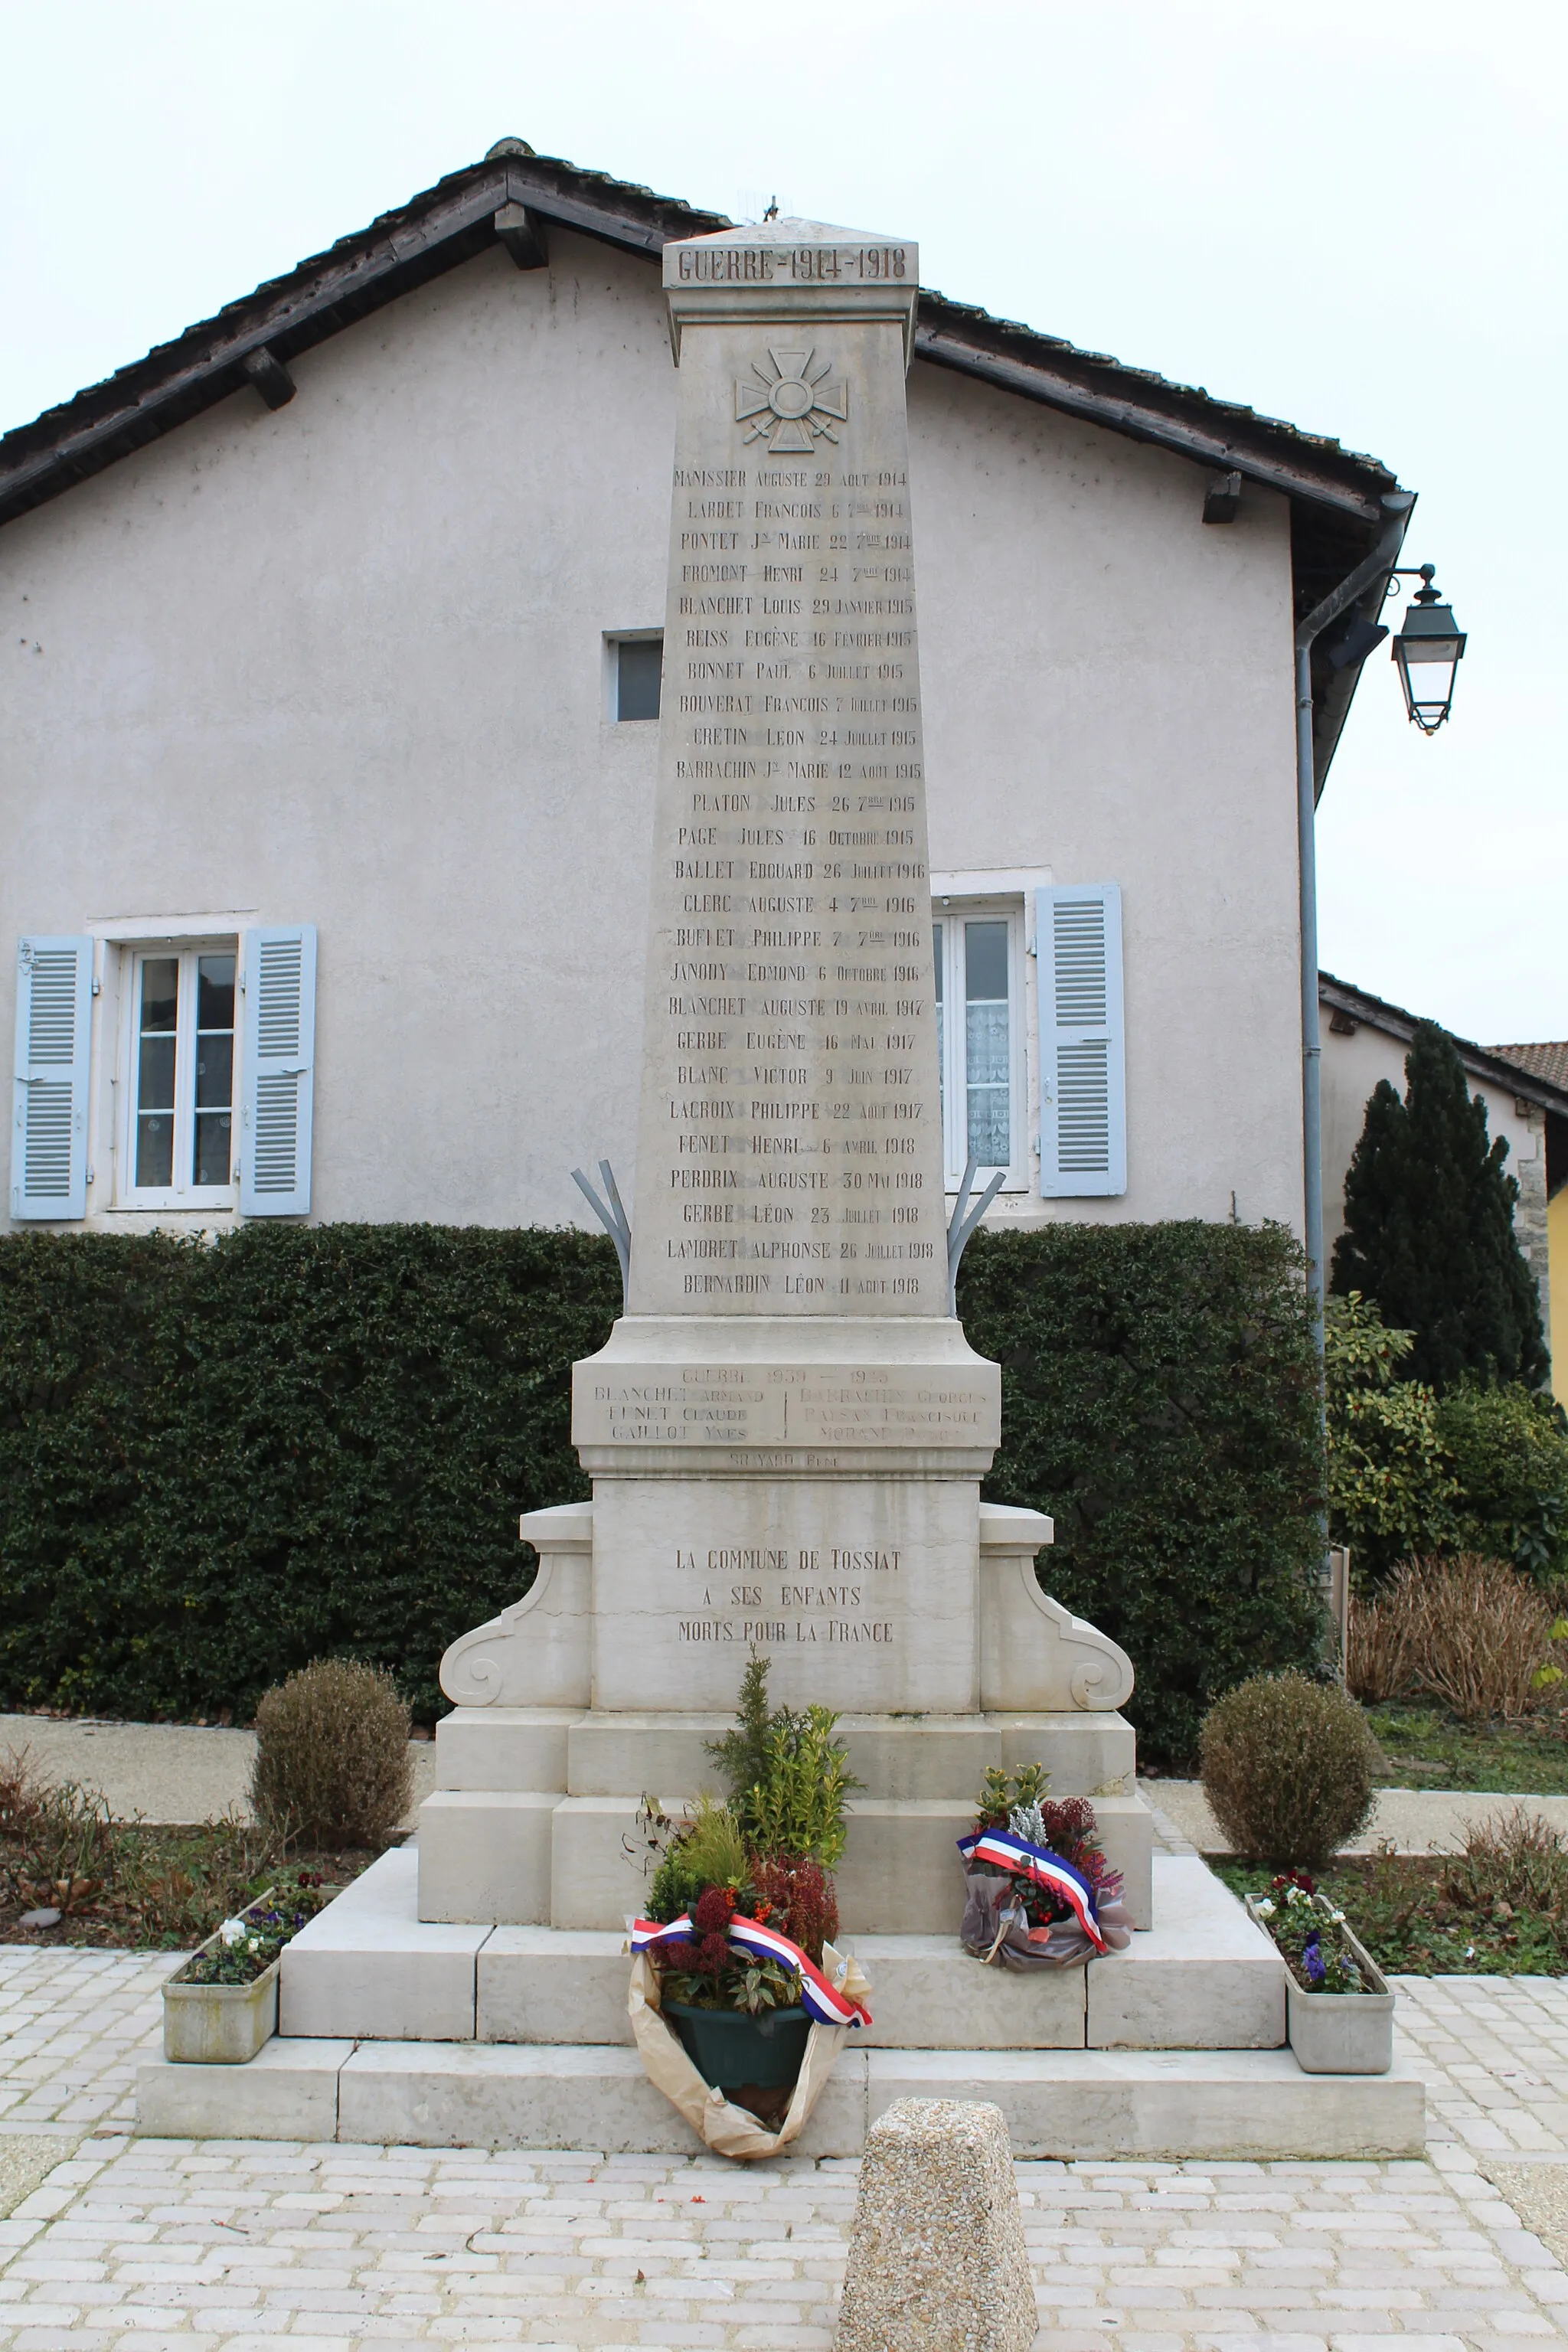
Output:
[[728, 2046]]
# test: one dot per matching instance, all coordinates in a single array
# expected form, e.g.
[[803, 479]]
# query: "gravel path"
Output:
[[1417, 1821], [163, 1772]]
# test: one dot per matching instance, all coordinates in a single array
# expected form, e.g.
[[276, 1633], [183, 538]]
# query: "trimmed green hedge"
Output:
[[218, 1462], [1159, 1400]]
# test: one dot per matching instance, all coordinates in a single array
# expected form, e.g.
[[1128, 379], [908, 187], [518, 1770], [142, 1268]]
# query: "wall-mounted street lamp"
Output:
[[1426, 652]]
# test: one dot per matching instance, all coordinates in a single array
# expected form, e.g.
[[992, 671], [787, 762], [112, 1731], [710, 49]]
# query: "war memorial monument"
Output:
[[787, 1429]]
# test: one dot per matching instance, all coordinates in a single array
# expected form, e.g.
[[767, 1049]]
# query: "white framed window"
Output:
[[179, 1070], [978, 950]]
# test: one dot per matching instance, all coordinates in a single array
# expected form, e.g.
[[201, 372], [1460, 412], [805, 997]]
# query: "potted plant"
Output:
[[741, 1911], [1039, 1891], [222, 2005], [1337, 2006]]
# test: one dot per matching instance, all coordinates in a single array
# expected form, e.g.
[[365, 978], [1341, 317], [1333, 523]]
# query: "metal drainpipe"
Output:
[[1397, 505]]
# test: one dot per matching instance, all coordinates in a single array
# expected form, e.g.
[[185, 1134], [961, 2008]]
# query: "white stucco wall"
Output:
[[344, 664]]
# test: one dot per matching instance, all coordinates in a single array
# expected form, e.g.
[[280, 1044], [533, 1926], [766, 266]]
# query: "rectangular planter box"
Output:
[[1338, 2032], [221, 2025]]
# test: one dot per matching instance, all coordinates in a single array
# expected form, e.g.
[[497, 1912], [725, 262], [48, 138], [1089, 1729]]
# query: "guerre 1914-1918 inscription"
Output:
[[789, 1153]]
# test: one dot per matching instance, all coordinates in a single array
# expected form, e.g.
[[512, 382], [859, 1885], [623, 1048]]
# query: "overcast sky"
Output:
[[1351, 217]]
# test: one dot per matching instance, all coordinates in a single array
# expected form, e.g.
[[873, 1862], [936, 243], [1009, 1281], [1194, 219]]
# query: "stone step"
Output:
[[1203, 1978], [1244, 2104], [527, 1859]]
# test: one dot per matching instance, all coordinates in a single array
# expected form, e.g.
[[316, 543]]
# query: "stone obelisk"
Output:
[[787, 1428]]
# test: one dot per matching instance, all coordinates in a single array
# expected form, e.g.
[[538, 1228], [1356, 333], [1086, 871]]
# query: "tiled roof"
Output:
[[1545, 1061], [450, 222], [1502, 1064]]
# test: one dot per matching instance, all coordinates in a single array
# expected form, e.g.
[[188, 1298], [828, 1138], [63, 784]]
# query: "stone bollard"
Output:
[[937, 2261]]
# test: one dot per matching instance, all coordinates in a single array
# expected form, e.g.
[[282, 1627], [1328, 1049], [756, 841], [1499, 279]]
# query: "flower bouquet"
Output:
[[735, 1963], [1338, 2008], [1039, 1891]]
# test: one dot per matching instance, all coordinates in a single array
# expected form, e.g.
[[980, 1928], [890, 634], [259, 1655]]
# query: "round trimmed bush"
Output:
[[1286, 1767], [332, 1764]]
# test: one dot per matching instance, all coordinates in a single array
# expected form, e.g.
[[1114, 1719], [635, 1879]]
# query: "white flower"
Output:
[[233, 1931], [252, 1944], [1265, 1909], [1338, 1917]]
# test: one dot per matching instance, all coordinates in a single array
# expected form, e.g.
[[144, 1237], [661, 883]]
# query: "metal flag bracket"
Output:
[[961, 1226], [613, 1217]]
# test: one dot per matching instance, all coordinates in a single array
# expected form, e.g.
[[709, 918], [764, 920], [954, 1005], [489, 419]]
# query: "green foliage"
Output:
[[331, 1755], [1508, 1448], [789, 1780], [1429, 1227], [1288, 1768], [714, 1846], [797, 1806], [1480, 1469], [741, 1754], [1159, 1400], [1392, 1489], [217, 1464], [1002, 1793]]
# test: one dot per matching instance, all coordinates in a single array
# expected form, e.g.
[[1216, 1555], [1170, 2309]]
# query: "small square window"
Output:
[[638, 664]]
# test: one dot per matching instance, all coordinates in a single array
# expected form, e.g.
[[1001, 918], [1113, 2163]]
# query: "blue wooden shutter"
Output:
[[277, 1071], [54, 1026], [1083, 1083]]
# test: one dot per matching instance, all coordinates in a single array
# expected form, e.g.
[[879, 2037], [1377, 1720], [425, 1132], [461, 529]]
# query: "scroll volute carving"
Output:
[[1037, 1657], [537, 1652]]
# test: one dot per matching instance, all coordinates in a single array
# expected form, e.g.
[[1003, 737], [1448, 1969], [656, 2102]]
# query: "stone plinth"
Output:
[[936, 2260]]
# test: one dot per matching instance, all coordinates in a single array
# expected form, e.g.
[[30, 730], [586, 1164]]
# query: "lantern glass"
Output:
[[1427, 651]]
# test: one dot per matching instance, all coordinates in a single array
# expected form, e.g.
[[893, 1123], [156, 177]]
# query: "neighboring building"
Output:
[[1525, 1090], [1547, 1065], [333, 653]]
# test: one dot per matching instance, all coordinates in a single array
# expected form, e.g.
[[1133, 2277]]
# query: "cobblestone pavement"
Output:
[[135, 2244]]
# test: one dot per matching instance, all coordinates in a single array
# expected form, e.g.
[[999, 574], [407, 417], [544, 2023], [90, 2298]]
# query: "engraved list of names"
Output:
[[789, 1148]]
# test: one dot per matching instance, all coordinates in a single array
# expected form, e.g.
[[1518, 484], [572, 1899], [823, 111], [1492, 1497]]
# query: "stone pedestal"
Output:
[[787, 1429]]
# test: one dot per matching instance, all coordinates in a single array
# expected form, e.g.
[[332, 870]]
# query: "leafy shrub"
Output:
[[1477, 1469], [1508, 1448], [1392, 1489], [1511, 1862], [331, 1755], [1159, 1400], [217, 1464], [789, 1778], [1286, 1767]]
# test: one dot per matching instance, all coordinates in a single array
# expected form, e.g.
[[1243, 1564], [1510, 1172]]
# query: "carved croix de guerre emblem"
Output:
[[791, 401]]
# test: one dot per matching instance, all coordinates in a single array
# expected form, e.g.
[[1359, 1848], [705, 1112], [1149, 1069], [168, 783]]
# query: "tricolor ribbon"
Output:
[[820, 1999], [1043, 1869]]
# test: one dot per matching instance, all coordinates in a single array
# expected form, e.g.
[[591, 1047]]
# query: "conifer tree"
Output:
[[1429, 1227]]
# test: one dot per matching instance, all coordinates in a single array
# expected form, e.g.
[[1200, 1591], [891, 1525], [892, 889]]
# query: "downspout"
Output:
[[1375, 568]]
